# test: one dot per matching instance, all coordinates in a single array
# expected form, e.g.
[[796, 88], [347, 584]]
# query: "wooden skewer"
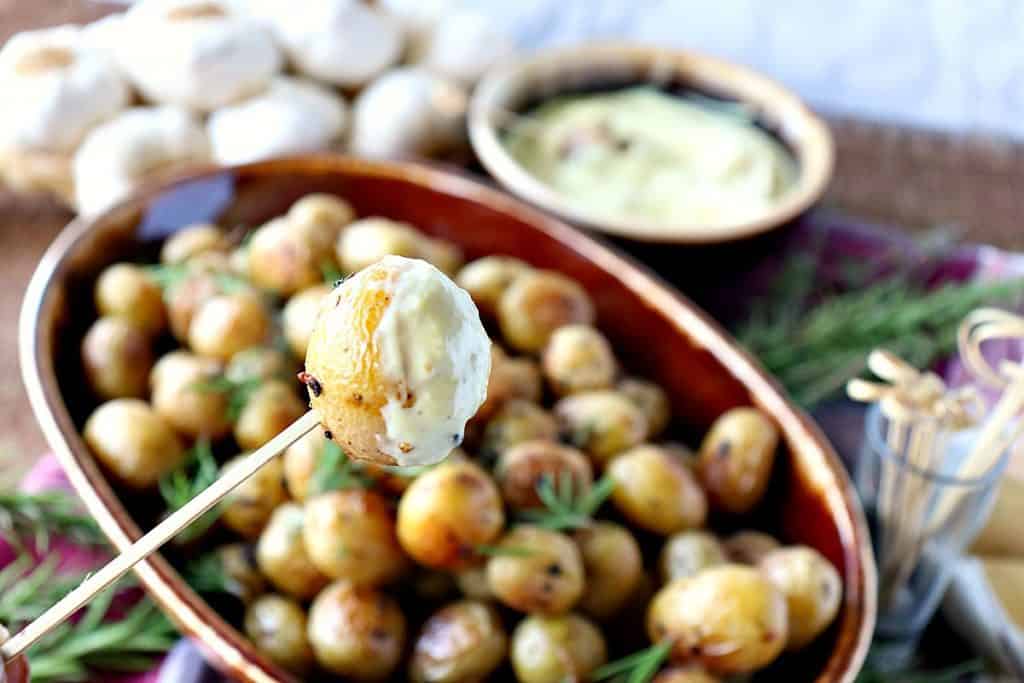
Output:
[[156, 537]]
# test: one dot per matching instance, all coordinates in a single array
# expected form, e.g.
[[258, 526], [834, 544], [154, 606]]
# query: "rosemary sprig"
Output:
[[330, 273], [564, 507], [239, 391], [639, 667], [29, 519], [815, 347], [205, 574], [335, 471], [190, 479], [27, 591]]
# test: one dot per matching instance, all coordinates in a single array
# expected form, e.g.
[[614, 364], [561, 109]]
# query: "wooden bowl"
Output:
[[522, 84], [656, 331]]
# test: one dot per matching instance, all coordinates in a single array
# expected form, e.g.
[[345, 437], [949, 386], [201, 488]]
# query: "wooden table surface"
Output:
[[910, 178]]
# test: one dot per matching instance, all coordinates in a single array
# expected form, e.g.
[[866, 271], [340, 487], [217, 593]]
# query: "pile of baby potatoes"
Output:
[[90, 112], [566, 540]]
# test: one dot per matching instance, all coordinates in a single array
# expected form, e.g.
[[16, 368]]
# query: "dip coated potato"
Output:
[[728, 619], [277, 625], [536, 571], [356, 632], [258, 364], [736, 459], [603, 423], [117, 359], [125, 291], [370, 239], [447, 513], [282, 555], [281, 260], [688, 553], [228, 323], [192, 241], [749, 547], [521, 469], [350, 535], [536, 304], [299, 317], [487, 278], [269, 409], [516, 422], [556, 649], [180, 397], [463, 642], [812, 588], [578, 358], [684, 675], [133, 442], [242, 577], [612, 564], [657, 492], [248, 508], [651, 400]]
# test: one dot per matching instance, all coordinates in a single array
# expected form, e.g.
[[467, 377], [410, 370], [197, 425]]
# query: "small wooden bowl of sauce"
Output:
[[651, 144]]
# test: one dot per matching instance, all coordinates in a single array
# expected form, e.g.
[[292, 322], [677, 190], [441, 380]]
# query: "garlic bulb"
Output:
[[133, 146], [408, 111], [196, 53], [292, 115], [463, 45], [341, 42], [55, 90]]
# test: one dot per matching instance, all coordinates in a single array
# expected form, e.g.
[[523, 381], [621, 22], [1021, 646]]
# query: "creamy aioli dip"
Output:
[[644, 154]]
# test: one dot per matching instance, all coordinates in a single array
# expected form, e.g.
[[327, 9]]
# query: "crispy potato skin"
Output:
[[461, 643], [813, 590], [736, 459]]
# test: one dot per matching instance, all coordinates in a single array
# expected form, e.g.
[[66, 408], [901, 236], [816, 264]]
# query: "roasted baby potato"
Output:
[[812, 587], [242, 577], [281, 260], [612, 564], [537, 303], [651, 400], [578, 358], [277, 626], [299, 316], [368, 240], [248, 508], [125, 291], [282, 555], [117, 358], [688, 553], [522, 468], [556, 649], [268, 410], [736, 459], [536, 571], [133, 442], [602, 423], [225, 324], [462, 642], [657, 492], [184, 394], [487, 278], [192, 241]]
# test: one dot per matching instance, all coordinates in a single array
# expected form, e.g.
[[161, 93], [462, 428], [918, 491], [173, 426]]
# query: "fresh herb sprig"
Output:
[[639, 667], [565, 507], [170, 276], [194, 476], [30, 519], [205, 574], [815, 346], [334, 471], [330, 273], [238, 391]]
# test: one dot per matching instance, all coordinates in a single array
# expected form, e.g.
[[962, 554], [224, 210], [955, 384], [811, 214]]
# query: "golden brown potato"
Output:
[[688, 553], [133, 442], [319, 218], [748, 547], [444, 255], [537, 303], [612, 564], [357, 632], [687, 674], [350, 535], [522, 468], [473, 583], [657, 492], [736, 459], [368, 240], [487, 278], [117, 358], [651, 400], [602, 423], [729, 619], [228, 323], [447, 513], [184, 297], [258, 364], [277, 626], [578, 358], [269, 409], [182, 395], [510, 378], [463, 642], [516, 422], [192, 241], [241, 572], [556, 649], [299, 463], [281, 260], [813, 590], [299, 317], [125, 291], [248, 508], [282, 555], [536, 571]]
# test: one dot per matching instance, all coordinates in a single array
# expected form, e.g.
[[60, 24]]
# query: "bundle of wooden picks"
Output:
[[921, 492]]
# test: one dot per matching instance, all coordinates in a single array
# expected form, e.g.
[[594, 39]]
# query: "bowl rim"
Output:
[[223, 643], [805, 131]]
